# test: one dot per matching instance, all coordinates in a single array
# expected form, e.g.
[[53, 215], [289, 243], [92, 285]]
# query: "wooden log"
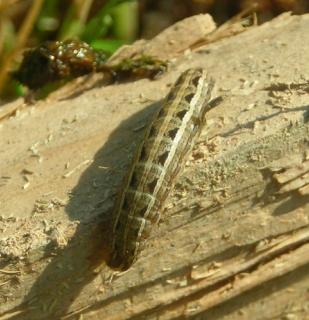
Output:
[[234, 239]]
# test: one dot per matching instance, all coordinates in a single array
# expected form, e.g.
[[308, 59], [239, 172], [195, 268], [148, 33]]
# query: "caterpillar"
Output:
[[167, 141]]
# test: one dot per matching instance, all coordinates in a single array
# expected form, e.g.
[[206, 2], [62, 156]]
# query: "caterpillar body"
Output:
[[167, 141]]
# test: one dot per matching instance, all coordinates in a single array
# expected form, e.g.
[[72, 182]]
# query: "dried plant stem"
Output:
[[22, 37], [84, 8]]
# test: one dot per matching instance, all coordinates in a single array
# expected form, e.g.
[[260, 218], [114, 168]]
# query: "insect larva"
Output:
[[167, 141]]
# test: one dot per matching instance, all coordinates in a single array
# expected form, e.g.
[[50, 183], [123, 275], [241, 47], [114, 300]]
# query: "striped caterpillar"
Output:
[[167, 141]]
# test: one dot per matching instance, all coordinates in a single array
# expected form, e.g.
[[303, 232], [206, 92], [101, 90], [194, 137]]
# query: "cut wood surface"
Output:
[[233, 242]]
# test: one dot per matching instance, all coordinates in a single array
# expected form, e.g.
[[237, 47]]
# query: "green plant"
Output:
[[113, 25]]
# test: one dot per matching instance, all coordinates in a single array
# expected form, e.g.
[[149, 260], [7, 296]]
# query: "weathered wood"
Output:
[[233, 242]]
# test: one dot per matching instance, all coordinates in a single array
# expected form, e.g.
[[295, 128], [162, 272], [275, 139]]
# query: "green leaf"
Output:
[[107, 45]]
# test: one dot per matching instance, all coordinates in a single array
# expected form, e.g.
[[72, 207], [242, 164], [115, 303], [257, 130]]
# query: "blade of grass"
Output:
[[125, 24], [96, 27]]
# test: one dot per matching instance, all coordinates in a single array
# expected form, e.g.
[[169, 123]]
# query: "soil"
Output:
[[233, 242]]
